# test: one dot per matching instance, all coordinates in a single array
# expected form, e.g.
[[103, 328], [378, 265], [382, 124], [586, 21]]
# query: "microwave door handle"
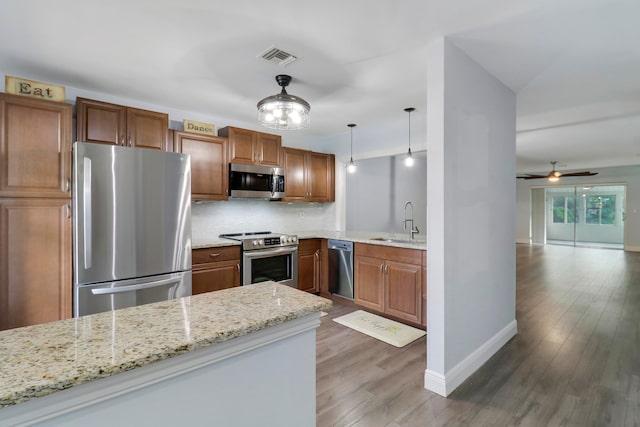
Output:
[[274, 183], [117, 290], [270, 252]]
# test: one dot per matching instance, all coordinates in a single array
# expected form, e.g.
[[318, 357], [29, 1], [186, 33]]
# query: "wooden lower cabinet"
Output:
[[389, 280], [35, 261], [215, 269], [310, 265], [369, 282], [424, 288], [403, 290]]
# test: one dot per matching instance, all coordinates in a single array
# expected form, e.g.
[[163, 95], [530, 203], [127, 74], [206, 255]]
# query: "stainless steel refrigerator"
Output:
[[132, 227]]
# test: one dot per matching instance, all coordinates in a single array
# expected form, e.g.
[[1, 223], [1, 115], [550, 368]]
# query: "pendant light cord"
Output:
[[351, 125], [409, 110]]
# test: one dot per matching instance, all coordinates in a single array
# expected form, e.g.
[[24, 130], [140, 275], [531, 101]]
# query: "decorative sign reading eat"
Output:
[[34, 89], [199, 127]]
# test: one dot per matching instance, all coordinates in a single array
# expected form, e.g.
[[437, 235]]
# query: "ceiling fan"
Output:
[[555, 175]]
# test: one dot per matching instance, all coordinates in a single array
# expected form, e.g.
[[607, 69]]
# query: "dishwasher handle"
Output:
[[341, 245]]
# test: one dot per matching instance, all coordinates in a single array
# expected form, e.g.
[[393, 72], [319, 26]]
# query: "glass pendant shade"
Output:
[[409, 160], [351, 167], [284, 111]]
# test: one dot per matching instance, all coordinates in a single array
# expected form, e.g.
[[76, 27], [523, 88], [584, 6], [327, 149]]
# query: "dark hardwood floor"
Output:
[[574, 362]]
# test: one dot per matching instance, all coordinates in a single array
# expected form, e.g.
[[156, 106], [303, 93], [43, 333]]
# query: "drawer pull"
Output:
[[214, 255]]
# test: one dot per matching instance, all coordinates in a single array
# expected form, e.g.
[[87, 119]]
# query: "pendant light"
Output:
[[284, 111], [409, 160], [351, 167]]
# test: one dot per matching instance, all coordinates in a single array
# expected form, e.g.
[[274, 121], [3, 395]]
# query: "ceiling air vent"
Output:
[[277, 56]]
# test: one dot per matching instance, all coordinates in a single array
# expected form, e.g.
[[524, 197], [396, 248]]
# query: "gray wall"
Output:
[[376, 194], [471, 216]]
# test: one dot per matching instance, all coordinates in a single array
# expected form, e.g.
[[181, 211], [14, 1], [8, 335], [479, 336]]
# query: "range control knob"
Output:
[[293, 239], [255, 243]]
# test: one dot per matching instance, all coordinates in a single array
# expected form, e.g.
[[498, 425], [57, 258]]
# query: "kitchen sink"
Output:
[[392, 240]]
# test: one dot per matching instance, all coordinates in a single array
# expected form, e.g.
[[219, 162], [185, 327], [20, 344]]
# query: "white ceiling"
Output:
[[574, 64]]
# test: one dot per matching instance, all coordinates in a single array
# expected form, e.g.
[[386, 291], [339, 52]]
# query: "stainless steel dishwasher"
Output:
[[341, 268]]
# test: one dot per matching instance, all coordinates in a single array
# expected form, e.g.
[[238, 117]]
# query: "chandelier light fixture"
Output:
[[284, 111], [409, 160], [351, 167]]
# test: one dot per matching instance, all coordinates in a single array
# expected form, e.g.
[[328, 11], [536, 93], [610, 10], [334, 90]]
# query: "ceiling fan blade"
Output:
[[528, 176], [584, 173]]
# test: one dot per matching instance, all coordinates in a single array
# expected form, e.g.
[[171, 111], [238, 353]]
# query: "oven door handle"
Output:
[[263, 253]]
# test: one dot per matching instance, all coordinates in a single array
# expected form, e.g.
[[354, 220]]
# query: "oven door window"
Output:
[[276, 268]]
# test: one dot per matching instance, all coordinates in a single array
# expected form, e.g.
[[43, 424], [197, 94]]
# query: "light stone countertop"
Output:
[[401, 240], [213, 243], [42, 359]]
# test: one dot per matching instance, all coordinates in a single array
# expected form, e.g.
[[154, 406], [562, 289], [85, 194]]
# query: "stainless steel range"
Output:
[[268, 256]]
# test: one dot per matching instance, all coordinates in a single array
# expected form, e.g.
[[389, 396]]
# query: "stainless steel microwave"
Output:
[[254, 181]]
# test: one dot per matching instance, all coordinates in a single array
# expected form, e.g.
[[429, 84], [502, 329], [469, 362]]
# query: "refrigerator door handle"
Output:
[[86, 207], [119, 289]]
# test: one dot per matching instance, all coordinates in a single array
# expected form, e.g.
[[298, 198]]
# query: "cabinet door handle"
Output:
[[214, 255], [67, 209], [129, 140], [238, 267], [67, 185], [122, 140], [386, 269], [380, 267]]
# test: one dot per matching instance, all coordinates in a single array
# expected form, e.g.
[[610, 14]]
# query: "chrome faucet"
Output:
[[412, 230]]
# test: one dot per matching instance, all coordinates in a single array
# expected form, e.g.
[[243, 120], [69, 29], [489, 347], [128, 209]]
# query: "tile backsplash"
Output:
[[210, 219]]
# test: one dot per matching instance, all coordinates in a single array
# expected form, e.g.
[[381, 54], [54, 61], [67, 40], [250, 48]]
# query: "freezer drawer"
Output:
[[106, 296]]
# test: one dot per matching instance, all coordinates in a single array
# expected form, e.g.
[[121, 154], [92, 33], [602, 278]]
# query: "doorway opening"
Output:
[[584, 215]]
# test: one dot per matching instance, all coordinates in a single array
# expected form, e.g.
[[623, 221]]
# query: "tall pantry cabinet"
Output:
[[35, 211]]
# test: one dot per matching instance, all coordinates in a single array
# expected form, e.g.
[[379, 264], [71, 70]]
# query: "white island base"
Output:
[[264, 378]]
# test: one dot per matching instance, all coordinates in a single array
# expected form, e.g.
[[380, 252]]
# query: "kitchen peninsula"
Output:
[[233, 357]]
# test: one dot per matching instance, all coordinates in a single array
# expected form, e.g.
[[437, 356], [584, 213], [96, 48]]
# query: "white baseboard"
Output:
[[524, 241], [632, 248], [444, 385]]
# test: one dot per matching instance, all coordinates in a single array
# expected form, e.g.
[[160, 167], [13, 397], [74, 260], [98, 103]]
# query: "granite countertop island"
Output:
[[44, 359]]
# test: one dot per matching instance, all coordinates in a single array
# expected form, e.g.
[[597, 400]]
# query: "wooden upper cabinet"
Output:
[[35, 261], [35, 147], [241, 144], [251, 147], [320, 175], [209, 172], [295, 175], [269, 149], [105, 123], [100, 122], [309, 176], [147, 129]]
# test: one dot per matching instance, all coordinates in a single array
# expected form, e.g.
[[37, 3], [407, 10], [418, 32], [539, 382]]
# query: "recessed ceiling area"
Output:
[[573, 64]]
